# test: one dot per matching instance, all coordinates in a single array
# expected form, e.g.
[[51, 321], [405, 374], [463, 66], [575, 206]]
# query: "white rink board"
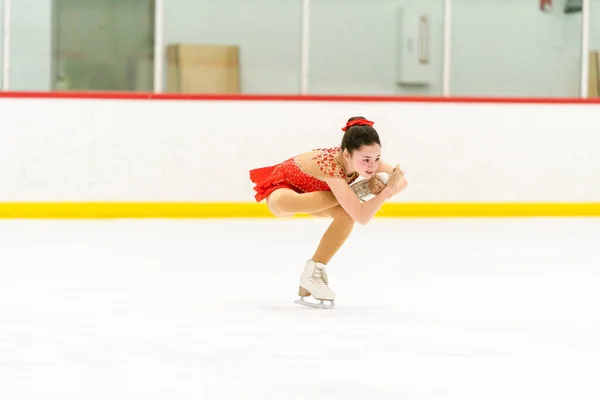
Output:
[[201, 150]]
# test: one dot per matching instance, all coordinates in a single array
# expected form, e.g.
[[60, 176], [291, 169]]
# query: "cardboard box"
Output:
[[198, 68]]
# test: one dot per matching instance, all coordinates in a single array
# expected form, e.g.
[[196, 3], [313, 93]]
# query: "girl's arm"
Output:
[[360, 212], [399, 188]]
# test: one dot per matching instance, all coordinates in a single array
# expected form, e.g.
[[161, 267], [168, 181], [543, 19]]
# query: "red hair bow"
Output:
[[359, 121]]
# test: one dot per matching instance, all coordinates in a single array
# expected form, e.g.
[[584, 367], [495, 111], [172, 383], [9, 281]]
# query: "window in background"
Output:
[[103, 45], [249, 46], [30, 45], [1, 42], [594, 53], [511, 48], [376, 47]]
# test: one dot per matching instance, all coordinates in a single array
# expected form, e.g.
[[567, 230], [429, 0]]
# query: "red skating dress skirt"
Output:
[[284, 175]]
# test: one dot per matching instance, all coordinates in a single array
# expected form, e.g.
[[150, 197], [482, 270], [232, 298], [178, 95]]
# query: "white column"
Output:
[[447, 52], [585, 47], [159, 45], [6, 28], [305, 47]]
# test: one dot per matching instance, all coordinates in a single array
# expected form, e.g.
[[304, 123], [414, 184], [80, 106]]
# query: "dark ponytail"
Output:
[[359, 132]]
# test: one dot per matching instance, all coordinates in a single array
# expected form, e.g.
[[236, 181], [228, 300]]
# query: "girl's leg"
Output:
[[286, 202], [314, 280], [335, 236]]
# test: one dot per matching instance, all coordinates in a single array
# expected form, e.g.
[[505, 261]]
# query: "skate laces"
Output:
[[320, 274]]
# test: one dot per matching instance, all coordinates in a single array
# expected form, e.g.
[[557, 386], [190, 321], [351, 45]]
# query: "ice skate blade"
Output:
[[321, 305]]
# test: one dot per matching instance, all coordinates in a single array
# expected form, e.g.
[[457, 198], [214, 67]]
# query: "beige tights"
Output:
[[321, 204], [335, 236], [288, 202]]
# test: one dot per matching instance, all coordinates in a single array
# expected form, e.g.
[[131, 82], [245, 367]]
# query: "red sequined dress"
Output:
[[302, 173]]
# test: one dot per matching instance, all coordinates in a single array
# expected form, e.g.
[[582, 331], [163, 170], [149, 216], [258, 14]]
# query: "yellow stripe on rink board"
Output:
[[133, 210], [252, 210], [491, 210]]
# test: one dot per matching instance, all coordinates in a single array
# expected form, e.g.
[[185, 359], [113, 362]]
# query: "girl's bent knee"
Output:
[[272, 205], [339, 214]]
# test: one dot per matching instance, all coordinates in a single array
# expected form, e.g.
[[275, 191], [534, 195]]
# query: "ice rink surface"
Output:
[[460, 309]]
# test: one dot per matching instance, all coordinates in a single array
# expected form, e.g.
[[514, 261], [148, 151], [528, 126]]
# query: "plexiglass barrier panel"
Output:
[[249, 46], [509, 48], [512, 48], [376, 47], [593, 68], [104, 45]]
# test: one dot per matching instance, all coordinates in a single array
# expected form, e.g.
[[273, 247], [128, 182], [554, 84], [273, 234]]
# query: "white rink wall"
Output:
[[201, 150]]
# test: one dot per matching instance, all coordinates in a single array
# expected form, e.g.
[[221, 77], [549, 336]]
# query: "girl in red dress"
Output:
[[323, 183]]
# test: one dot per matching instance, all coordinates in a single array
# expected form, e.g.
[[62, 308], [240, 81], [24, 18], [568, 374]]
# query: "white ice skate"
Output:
[[313, 282], [362, 188]]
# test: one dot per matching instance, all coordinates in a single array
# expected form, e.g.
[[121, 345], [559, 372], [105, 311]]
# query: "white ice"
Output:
[[452, 309]]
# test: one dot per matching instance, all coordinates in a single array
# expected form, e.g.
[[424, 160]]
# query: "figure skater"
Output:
[[324, 183]]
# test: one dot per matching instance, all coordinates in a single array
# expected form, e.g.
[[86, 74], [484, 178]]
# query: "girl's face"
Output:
[[365, 160]]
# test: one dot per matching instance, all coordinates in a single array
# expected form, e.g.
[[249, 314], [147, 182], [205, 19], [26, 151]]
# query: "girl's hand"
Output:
[[396, 178], [376, 185]]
